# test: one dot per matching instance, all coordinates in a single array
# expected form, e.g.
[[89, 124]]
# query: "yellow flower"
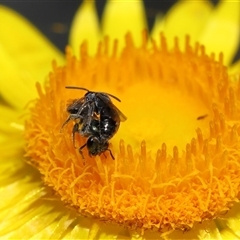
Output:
[[191, 102]]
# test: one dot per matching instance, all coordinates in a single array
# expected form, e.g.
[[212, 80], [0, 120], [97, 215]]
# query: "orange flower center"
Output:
[[178, 162]]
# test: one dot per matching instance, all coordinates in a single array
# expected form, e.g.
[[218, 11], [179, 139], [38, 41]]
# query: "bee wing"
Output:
[[75, 105], [122, 117], [105, 98], [75, 101]]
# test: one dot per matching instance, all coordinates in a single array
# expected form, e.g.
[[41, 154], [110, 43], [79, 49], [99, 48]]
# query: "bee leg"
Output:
[[74, 130], [111, 154], [68, 119], [80, 150]]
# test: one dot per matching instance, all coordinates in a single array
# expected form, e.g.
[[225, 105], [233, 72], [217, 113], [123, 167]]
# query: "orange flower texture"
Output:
[[177, 158]]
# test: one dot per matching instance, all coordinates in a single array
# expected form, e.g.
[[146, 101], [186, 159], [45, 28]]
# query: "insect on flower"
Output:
[[97, 118]]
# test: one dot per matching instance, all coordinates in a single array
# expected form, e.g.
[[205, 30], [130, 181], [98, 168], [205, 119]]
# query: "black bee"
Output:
[[97, 118]]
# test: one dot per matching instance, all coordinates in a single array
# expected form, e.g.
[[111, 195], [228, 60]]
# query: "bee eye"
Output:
[[73, 110]]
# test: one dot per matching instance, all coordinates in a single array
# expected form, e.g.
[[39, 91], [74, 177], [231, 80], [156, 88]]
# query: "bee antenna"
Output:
[[74, 87], [85, 89], [113, 96]]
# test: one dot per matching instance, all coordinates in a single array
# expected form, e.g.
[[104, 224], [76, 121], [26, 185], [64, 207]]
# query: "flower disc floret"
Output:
[[177, 158]]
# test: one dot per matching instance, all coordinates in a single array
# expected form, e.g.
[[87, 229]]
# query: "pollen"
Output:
[[177, 157]]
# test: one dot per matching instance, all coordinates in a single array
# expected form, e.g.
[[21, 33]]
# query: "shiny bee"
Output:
[[96, 118]]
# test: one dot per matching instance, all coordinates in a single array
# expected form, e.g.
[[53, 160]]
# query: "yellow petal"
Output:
[[110, 231], [209, 230], [25, 57], [80, 229], [222, 32], [121, 17], [226, 234], [23, 226], [44, 228], [233, 218], [11, 146], [16, 84], [94, 231], [187, 17], [85, 26], [61, 227], [205, 230], [3, 137], [10, 120]]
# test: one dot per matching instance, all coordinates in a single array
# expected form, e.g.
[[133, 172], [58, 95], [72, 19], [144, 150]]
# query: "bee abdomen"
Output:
[[108, 127]]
